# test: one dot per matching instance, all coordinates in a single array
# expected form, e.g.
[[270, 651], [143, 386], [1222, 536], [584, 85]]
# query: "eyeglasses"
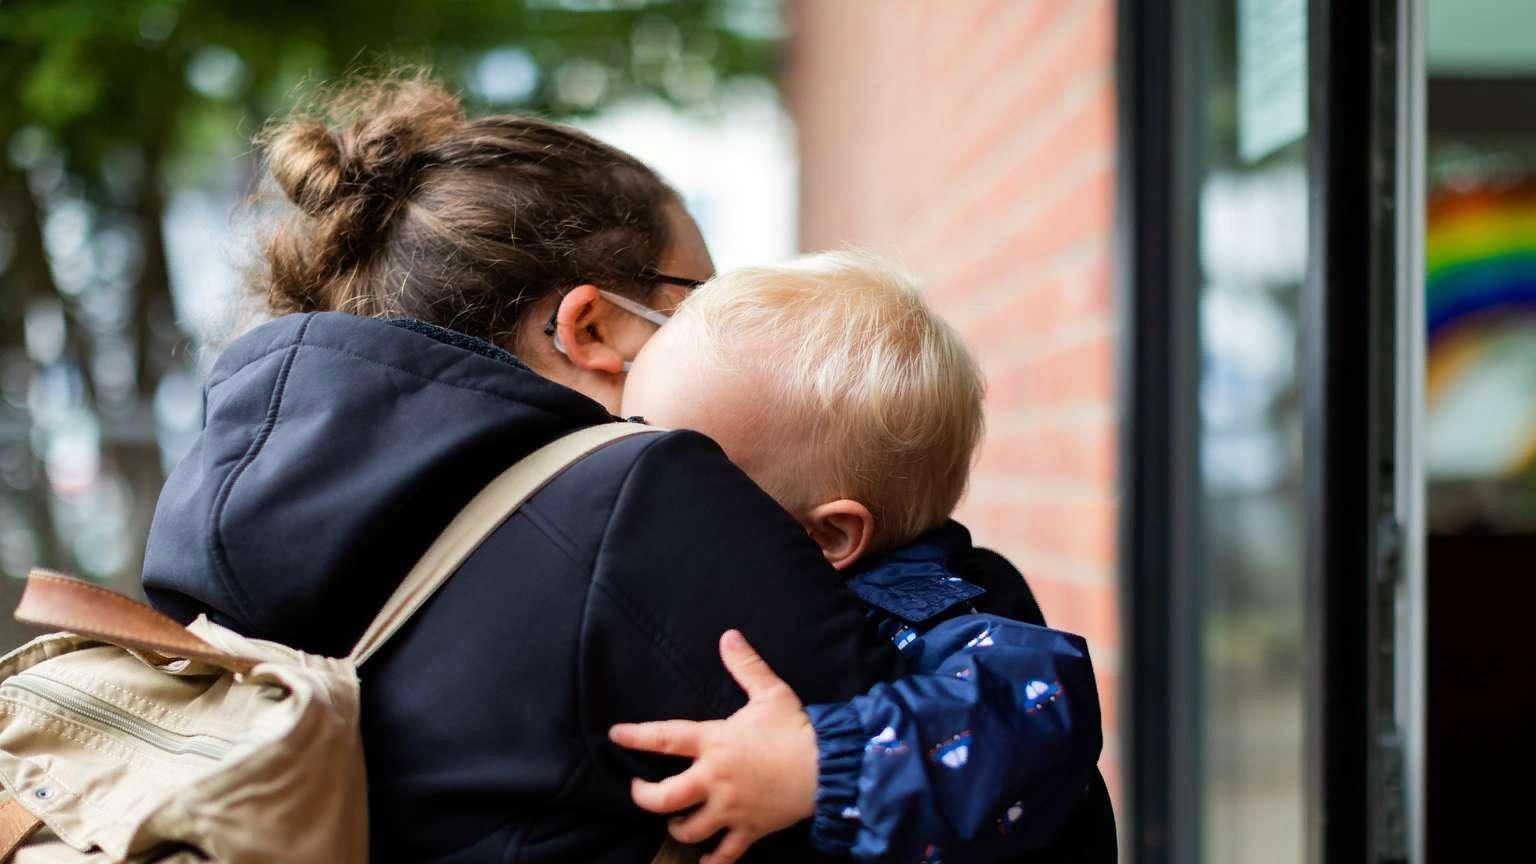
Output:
[[655, 316], [652, 315], [640, 310], [684, 281]]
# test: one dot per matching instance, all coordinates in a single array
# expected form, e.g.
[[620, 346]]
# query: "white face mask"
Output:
[[638, 309]]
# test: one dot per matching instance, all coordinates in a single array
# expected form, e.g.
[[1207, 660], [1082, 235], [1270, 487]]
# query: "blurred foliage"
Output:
[[100, 75], [109, 109]]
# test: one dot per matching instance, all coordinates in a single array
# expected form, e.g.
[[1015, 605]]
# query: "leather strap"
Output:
[[57, 602], [16, 825], [484, 513]]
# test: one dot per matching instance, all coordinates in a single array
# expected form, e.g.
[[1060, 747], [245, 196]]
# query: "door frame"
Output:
[[1363, 355], [1361, 372], [1159, 433]]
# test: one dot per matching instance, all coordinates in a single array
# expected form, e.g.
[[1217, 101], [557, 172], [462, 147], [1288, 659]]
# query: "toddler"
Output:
[[832, 384]]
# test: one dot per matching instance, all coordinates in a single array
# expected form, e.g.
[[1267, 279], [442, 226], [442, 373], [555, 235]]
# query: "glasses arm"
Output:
[[649, 314], [684, 281]]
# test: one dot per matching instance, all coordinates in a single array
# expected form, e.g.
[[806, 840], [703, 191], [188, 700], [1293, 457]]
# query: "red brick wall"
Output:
[[974, 142]]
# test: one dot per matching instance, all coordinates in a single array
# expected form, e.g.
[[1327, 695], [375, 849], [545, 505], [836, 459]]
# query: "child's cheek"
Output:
[[641, 387]]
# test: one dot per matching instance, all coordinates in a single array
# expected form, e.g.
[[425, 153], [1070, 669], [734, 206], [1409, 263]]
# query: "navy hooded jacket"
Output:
[[335, 449], [984, 751]]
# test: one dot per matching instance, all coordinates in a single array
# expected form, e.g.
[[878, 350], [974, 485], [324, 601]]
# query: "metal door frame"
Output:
[[1362, 382]]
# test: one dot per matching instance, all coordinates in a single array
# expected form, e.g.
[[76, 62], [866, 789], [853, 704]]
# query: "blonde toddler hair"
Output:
[[875, 398]]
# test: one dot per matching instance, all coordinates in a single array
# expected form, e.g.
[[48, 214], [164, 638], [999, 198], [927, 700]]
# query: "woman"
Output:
[[336, 447], [472, 254]]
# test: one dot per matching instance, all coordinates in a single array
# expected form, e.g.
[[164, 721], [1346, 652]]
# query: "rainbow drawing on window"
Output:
[[1480, 264]]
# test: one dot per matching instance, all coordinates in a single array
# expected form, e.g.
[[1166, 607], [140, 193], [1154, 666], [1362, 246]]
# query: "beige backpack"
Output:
[[130, 738]]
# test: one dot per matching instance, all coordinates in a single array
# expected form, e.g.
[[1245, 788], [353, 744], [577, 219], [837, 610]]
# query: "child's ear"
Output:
[[843, 529], [584, 332]]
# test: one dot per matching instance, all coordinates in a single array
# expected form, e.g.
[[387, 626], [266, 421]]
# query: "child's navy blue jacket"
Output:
[[982, 752]]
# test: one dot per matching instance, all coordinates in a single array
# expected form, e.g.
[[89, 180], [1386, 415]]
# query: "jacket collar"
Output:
[[914, 582]]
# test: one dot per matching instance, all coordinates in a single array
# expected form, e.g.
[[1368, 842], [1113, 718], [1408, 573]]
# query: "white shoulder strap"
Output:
[[484, 514]]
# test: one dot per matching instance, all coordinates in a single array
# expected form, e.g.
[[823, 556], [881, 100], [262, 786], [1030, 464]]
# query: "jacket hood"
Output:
[[334, 450]]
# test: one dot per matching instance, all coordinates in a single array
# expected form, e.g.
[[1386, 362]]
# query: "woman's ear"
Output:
[[586, 333], [843, 529]]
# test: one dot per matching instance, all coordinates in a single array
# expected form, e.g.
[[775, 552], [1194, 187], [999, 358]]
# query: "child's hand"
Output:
[[753, 773]]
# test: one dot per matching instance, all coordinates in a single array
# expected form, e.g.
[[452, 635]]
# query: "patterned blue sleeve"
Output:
[[982, 751]]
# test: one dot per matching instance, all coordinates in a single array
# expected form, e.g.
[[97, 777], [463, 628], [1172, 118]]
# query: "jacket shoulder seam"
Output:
[[561, 541], [218, 551], [214, 384], [650, 632]]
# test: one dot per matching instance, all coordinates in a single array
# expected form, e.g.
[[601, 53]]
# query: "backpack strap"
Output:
[[483, 515], [52, 600], [16, 825]]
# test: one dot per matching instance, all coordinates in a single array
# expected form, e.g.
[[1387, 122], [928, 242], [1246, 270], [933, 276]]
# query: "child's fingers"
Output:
[[669, 795], [672, 737], [697, 826], [745, 665], [735, 845]]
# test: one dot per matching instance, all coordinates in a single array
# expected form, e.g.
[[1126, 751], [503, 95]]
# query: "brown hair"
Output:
[[406, 208]]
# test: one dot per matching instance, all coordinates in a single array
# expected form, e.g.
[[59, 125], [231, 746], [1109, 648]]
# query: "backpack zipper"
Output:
[[101, 713]]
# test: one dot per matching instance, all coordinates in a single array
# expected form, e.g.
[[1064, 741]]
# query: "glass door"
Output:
[[1271, 493], [1249, 185]]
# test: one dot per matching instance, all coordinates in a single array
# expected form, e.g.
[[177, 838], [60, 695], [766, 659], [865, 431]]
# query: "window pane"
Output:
[[1251, 201]]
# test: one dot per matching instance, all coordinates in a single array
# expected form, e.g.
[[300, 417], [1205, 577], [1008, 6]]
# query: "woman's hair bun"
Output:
[[404, 208], [364, 143], [305, 160]]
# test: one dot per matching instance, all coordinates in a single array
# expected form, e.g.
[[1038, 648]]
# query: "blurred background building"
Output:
[[1251, 282]]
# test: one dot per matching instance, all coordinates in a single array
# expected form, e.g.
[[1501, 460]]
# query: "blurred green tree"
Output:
[[107, 107]]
